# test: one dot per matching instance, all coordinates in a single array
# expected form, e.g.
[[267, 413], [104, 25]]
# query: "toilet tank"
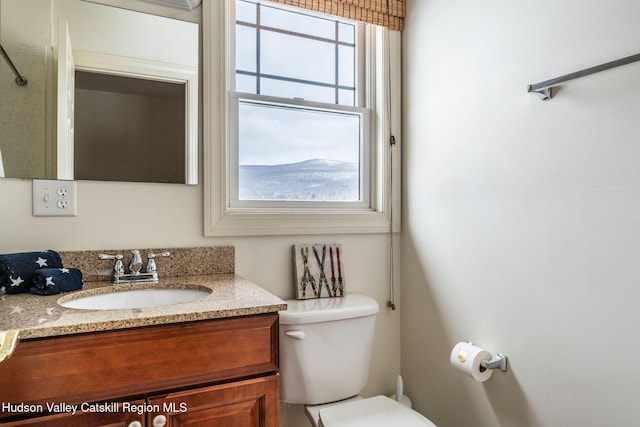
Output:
[[325, 348]]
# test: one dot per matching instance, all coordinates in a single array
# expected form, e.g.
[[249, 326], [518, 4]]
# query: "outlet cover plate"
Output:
[[54, 198]]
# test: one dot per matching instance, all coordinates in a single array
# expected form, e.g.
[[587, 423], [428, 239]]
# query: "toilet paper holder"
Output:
[[499, 362]]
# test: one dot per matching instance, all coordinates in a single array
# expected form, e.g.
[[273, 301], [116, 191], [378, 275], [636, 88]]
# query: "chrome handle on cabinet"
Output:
[[299, 335], [135, 424], [159, 421]]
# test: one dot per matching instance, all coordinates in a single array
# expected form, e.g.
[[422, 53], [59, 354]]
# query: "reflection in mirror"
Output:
[[25, 142], [130, 123], [105, 41]]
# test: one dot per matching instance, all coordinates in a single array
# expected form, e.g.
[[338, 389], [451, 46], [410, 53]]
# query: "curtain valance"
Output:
[[388, 13]]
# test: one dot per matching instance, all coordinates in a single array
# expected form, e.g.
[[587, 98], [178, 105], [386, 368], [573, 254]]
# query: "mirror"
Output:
[[127, 74]]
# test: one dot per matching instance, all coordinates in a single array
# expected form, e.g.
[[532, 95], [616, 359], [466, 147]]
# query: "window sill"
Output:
[[244, 222]]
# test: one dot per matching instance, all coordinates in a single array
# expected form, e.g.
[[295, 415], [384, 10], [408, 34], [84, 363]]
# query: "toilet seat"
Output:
[[313, 411], [379, 411]]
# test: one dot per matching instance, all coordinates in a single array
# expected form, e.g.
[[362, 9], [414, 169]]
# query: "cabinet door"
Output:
[[111, 417], [249, 403]]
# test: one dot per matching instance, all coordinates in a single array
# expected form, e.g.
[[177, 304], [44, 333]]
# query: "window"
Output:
[[300, 155], [293, 128], [300, 134]]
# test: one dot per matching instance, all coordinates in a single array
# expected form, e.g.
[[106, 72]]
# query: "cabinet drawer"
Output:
[[104, 365]]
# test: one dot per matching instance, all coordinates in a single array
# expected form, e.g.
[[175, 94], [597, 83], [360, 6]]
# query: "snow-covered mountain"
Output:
[[317, 179]]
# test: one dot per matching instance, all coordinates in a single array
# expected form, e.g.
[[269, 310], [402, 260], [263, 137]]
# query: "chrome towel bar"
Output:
[[545, 89]]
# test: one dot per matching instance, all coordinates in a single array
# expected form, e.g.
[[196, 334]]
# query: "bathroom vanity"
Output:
[[213, 361]]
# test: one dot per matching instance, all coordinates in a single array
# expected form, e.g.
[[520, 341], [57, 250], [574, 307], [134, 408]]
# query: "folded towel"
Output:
[[51, 281], [16, 270]]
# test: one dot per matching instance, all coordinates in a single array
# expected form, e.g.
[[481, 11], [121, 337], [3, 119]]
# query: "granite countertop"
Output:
[[41, 316]]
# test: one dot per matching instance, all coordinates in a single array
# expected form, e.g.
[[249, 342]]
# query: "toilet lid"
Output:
[[379, 411]]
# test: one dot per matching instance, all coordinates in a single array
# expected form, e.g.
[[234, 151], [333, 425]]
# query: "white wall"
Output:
[[522, 226], [135, 215]]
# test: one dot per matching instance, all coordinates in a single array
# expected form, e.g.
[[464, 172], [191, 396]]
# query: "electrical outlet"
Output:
[[54, 198]]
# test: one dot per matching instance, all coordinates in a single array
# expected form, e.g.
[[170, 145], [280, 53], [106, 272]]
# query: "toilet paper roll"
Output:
[[467, 357]]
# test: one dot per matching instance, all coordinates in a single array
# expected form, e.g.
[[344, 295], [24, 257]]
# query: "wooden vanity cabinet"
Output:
[[239, 404], [84, 419], [204, 373]]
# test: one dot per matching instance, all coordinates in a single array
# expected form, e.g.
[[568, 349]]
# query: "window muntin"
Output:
[[295, 107], [319, 51]]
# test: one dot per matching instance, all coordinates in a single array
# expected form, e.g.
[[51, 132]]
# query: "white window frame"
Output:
[[364, 160], [223, 217]]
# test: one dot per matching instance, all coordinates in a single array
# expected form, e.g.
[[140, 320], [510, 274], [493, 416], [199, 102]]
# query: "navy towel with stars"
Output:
[[17, 270], [51, 281]]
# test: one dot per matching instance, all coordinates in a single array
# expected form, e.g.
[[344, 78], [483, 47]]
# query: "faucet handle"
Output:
[[118, 268], [161, 254], [151, 263]]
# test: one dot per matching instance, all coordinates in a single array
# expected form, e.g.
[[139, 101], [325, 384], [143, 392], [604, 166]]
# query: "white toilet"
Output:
[[325, 351]]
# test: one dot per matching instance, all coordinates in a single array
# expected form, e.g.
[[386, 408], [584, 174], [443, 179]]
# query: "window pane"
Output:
[[346, 71], [245, 48], [291, 90], [346, 97], [245, 83], [296, 57], [347, 33], [298, 154], [246, 11], [297, 22]]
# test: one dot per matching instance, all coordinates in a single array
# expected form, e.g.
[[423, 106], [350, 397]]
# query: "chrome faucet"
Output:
[[135, 267]]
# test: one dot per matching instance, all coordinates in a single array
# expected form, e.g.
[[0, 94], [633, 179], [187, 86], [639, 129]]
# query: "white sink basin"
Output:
[[116, 299]]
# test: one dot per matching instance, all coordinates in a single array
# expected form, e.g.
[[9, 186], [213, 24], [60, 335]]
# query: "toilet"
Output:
[[325, 353]]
